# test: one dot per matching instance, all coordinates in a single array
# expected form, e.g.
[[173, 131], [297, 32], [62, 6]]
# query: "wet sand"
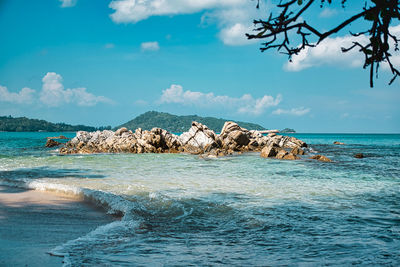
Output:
[[34, 222]]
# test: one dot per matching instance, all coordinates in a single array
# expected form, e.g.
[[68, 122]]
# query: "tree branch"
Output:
[[375, 52]]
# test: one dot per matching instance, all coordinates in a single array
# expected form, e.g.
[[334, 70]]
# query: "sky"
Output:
[[105, 62]]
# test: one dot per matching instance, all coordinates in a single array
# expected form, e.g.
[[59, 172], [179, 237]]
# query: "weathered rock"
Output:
[[240, 137], [229, 127], [155, 141], [120, 131], [236, 138], [197, 138], [289, 142], [321, 158], [338, 143], [83, 136], [290, 156], [52, 143], [58, 137], [281, 154], [297, 151], [359, 155], [270, 151]]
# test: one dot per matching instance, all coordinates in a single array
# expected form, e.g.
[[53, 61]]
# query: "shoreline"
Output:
[[33, 222]]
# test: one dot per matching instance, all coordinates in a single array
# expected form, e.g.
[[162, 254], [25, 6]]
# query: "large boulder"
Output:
[[229, 127], [197, 138], [289, 142], [290, 156], [297, 151], [270, 151], [52, 143], [321, 158], [234, 137], [283, 154], [120, 131]]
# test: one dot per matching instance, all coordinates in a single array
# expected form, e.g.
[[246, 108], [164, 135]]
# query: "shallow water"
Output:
[[241, 210]]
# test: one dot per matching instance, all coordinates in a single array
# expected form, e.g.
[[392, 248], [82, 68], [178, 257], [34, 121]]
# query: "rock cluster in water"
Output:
[[51, 142], [198, 140]]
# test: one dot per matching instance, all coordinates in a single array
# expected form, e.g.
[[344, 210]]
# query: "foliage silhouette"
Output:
[[378, 14]]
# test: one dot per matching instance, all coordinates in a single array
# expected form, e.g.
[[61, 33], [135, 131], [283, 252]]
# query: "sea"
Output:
[[241, 210]]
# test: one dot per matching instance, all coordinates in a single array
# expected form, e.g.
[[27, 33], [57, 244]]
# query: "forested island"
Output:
[[146, 121], [23, 124], [177, 124], [287, 130]]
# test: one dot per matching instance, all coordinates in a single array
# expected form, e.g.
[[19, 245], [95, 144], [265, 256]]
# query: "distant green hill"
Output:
[[287, 130], [23, 124], [177, 124]]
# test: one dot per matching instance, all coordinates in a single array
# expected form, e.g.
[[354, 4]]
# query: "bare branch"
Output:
[[380, 15]]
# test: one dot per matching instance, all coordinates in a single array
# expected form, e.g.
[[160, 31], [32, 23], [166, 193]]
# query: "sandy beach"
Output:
[[34, 222]]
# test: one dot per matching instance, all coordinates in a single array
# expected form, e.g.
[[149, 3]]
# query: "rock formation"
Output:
[[52, 143], [321, 158], [198, 140], [359, 156], [275, 151], [155, 141], [338, 143], [58, 137], [297, 151]]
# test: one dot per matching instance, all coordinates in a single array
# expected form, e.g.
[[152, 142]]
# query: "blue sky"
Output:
[[104, 62]]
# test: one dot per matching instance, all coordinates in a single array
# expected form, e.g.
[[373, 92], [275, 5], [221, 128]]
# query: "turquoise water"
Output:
[[241, 210]]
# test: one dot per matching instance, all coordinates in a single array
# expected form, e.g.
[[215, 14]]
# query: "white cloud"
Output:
[[294, 111], [329, 52], [234, 22], [53, 93], [137, 10], [235, 34], [245, 104], [233, 17], [150, 46], [68, 3], [395, 59], [25, 96]]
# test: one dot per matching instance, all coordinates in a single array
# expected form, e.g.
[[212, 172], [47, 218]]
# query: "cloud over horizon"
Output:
[[25, 96], [52, 94], [294, 111], [245, 104], [233, 17]]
